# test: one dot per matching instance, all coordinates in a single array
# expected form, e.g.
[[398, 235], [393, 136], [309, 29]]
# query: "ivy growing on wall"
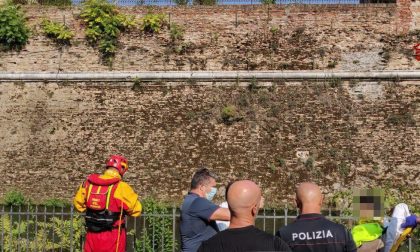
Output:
[[14, 32], [104, 25], [152, 23], [60, 33]]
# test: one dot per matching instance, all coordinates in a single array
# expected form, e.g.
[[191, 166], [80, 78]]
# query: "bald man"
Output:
[[244, 199], [311, 231]]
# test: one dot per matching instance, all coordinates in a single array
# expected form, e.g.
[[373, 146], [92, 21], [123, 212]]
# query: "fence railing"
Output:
[[35, 228], [235, 2]]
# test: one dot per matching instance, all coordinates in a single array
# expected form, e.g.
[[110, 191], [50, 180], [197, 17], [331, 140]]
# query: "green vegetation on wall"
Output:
[[229, 114], [204, 2], [153, 23], [104, 25], [60, 33], [15, 198], [176, 33], [60, 3], [55, 2], [14, 32]]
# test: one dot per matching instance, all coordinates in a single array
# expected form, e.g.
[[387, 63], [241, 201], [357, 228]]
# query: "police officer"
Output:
[[312, 231]]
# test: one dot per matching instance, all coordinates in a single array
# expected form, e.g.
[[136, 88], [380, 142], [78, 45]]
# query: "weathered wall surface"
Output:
[[292, 37], [346, 134]]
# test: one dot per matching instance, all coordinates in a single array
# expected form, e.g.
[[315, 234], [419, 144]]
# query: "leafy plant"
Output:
[[204, 2], [137, 85], [342, 200], [335, 82], [177, 32], [156, 225], [332, 64], [274, 30], [253, 85], [55, 2], [182, 2], [14, 33], [152, 23], [272, 167], [310, 163], [228, 114], [343, 169], [403, 119], [60, 33], [268, 1], [16, 236], [15, 198], [55, 202], [104, 25], [281, 162]]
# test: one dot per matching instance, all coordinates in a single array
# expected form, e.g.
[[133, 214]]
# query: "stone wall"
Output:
[[339, 134], [291, 37]]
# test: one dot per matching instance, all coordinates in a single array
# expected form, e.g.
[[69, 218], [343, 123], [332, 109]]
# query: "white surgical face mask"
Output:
[[210, 195]]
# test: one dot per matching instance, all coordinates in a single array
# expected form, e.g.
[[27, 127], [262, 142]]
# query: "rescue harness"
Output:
[[98, 216]]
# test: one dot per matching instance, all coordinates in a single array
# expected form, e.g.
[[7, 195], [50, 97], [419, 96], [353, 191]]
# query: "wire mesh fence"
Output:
[[41, 228], [234, 2]]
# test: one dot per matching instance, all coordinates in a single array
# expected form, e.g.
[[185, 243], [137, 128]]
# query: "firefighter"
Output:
[[106, 199]]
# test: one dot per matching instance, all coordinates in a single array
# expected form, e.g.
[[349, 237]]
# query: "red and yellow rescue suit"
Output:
[[106, 195]]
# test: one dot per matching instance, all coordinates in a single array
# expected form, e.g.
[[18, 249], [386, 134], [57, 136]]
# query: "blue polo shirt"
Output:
[[196, 225]]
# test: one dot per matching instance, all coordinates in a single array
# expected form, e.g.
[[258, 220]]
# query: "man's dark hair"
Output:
[[201, 177]]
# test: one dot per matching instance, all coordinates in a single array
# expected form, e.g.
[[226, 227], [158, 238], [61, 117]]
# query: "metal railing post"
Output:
[[126, 226], [162, 238], [285, 215], [3, 216], [173, 228], [409, 244], [71, 227], [52, 227], [153, 232], [27, 228], [274, 222], [135, 234], [19, 225], [144, 230], [11, 228], [62, 226], [45, 221], [264, 220], [36, 228]]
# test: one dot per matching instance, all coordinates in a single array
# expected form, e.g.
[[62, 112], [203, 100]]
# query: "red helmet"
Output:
[[118, 162]]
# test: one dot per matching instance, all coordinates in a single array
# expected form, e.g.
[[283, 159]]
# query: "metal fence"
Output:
[[235, 2], [35, 228]]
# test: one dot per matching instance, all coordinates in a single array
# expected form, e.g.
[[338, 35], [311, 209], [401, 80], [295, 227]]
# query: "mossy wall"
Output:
[[339, 134]]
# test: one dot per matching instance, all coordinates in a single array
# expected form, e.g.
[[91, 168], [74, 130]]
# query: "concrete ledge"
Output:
[[209, 76]]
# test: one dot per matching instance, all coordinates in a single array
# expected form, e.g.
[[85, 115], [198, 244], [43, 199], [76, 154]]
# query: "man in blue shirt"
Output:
[[198, 213]]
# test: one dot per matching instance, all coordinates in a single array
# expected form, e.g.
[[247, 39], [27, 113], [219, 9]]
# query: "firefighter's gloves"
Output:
[[410, 221]]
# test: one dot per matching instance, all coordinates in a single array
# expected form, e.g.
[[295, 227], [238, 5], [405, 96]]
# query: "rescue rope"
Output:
[[119, 228]]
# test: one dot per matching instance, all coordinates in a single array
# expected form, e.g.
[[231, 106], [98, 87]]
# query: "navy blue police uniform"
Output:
[[314, 233]]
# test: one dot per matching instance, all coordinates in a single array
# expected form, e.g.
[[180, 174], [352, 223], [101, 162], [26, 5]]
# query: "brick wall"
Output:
[[405, 16], [415, 10], [354, 134], [343, 37]]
